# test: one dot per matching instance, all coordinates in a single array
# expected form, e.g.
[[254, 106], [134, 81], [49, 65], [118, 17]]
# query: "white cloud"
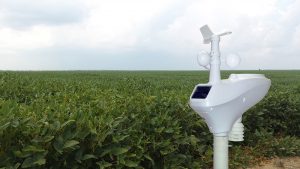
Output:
[[35, 37], [263, 32], [46, 34], [113, 24], [26, 13]]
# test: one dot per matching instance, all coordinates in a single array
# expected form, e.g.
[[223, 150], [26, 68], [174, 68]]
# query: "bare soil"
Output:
[[280, 163]]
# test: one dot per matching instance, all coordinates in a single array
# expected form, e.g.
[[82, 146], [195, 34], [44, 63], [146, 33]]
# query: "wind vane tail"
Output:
[[206, 33]]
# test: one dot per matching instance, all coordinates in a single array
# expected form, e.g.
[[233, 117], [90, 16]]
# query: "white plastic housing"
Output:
[[227, 100]]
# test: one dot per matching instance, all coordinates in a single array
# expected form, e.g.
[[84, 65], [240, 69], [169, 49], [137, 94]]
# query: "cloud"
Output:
[[115, 24], [27, 13], [264, 32], [135, 34], [36, 37]]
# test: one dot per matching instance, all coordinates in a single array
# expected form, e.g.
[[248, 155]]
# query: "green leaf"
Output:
[[103, 164], [119, 138], [30, 162], [88, 156], [21, 154], [66, 123], [15, 123], [130, 163], [169, 130], [78, 155], [55, 125], [41, 161], [106, 151], [48, 139], [58, 144], [119, 150], [194, 140], [114, 151], [70, 143], [3, 127], [34, 149], [149, 158], [17, 165]]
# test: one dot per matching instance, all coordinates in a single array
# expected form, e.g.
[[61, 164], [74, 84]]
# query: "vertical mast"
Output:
[[215, 61]]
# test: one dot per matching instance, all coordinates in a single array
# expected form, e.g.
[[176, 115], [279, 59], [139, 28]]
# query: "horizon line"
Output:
[[61, 70]]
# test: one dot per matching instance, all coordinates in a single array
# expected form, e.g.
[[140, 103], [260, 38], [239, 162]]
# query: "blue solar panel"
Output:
[[201, 92]]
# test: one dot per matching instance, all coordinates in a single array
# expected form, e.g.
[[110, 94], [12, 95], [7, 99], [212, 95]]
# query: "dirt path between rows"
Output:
[[280, 163]]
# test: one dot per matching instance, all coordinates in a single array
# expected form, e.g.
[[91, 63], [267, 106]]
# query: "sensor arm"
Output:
[[225, 33]]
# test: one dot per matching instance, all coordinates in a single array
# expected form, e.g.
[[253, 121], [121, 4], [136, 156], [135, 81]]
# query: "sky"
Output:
[[146, 35]]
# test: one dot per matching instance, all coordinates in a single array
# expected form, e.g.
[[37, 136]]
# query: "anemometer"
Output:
[[222, 102]]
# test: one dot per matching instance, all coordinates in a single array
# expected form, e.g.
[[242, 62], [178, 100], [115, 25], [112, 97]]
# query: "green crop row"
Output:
[[132, 120]]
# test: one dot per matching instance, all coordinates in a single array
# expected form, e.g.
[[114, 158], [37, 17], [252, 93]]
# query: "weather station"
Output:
[[222, 102]]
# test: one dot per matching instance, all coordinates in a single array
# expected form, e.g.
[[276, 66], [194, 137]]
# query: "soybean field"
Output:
[[133, 119]]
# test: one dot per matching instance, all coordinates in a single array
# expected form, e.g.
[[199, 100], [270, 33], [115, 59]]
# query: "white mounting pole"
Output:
[[220, 152], [215, 61]]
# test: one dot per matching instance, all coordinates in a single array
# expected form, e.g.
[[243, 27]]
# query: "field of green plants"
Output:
[[133, 119]]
